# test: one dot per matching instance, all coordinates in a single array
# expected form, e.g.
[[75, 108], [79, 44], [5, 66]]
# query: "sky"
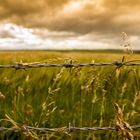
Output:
[[68, 24]]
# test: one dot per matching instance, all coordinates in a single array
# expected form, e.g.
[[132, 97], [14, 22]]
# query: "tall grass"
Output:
[[57, 97]]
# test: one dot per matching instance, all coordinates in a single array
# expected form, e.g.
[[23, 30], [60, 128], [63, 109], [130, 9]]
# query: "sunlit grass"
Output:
[[55, 97]]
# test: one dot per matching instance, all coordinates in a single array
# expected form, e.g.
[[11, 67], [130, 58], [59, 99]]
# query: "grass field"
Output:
[[55, 97]]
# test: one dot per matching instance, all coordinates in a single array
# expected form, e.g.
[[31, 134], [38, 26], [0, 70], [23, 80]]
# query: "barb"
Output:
[[18, 66], [63, 129]]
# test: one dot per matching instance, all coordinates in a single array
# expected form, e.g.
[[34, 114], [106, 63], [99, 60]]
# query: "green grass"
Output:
[[55, 97]]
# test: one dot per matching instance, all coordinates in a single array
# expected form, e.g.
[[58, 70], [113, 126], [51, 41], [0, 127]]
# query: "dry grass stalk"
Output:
[[126, 43], [122, 126]]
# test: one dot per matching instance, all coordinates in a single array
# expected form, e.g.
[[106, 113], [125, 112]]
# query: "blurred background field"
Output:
[[55, 97]]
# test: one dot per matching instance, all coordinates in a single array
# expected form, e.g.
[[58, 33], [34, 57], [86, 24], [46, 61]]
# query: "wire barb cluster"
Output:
[[18, 66]]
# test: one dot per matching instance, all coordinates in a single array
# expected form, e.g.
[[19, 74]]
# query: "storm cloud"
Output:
[[91, 20]]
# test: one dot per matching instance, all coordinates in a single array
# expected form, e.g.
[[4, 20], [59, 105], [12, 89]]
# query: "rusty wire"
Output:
[[63, 129], [39, 65]]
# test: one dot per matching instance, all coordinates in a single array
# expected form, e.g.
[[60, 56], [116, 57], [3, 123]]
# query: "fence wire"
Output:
[[39, 65], [62, 129]]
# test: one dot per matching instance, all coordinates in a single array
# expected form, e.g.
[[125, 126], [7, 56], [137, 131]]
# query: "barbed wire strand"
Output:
[[39, 65], [63, 129]]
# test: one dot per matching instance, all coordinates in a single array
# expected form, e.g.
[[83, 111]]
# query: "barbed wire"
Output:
[[63, 129], [39, 65]]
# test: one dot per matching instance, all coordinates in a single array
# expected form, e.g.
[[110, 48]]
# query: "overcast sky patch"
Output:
[[68, 24]]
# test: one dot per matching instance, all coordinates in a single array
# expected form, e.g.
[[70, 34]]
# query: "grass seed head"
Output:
[[28, 110], [2, 97]]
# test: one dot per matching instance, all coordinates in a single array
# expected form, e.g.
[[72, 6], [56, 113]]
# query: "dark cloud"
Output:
[[98, 16], [109, 17], [21, 8], [121, 3]]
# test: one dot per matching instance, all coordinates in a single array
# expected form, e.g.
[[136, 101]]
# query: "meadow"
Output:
[[57, 97]]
